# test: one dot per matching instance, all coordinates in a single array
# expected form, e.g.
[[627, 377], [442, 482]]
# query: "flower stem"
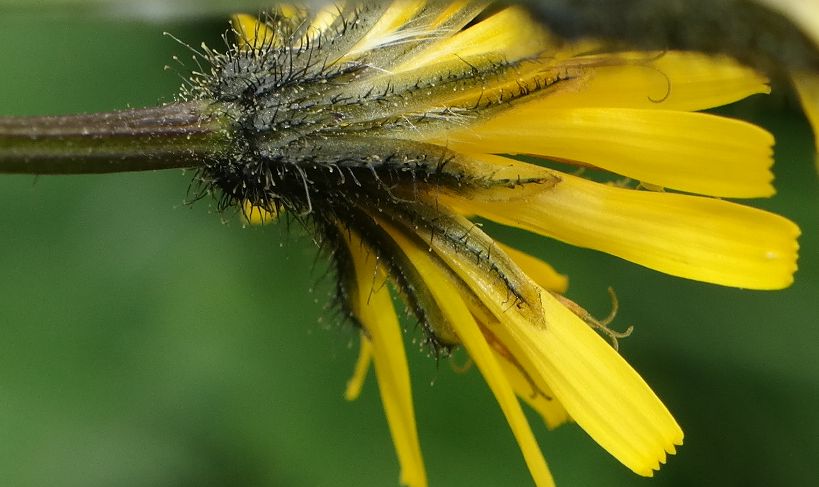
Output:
[[176, 135]]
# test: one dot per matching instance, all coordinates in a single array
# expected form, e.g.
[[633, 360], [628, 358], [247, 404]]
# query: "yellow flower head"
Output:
[[385, 126]]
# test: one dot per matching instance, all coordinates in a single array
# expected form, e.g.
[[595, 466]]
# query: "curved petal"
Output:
[[362, 367], [542, 273], [521, 373], [323, 20], [394, 18], [373, 308], [600, 391], [698, 238], [676, 80], [598, 388], [251, 32], [542, 401], [693, 152], [256, 215], [509, 34], [454, 308]]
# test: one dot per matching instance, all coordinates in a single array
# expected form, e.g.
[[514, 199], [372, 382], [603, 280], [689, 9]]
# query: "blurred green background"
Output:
[[145, 342]]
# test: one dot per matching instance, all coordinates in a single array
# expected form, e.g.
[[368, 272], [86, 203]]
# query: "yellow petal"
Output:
[[252, 34], [600, 391], [457, 9], [453, 307], [373, 307], [324, 18], [387, 29], [521, 373], [256, 215], [674, 81], [542, 273], [807, 85], [362, 366], [694, 237], [291, 12], [540, 399], [445, 68], [508, 35], [692, 152]]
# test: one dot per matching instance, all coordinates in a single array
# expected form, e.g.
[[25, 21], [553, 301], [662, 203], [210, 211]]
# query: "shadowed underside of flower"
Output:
[[380, 126]]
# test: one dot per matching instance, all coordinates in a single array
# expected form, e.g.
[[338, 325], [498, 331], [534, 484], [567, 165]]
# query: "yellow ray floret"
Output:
[[323, 19], [388, 28], [508, 35], [599, 390], [373, 308], [694, 237], [456, 312], [542, 273], [251, 33], [520, 372], [256, 215], [542, 401], [362, 367], [455, 9], [693, 152], [673, 80]]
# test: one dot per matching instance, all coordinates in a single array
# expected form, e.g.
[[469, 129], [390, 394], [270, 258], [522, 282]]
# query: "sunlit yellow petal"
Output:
[[323, 19], [291, 12], [453, 10], [508, 35], [385, 31], [256, 215], [691, 152], [373, 308], [251, 33], [362, 366], [698, 238], [521, 373], [600, 391], [453, 306], [540, 272], [674, 81], [539, 399]]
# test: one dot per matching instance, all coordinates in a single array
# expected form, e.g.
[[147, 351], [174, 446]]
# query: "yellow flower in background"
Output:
[[385, 126]]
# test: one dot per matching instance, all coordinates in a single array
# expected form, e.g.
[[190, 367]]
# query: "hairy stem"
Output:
[[176, 135]]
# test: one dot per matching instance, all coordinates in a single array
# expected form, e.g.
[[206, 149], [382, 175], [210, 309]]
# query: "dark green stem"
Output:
[[176, 135]]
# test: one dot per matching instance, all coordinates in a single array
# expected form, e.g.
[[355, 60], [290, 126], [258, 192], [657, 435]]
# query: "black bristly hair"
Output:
[[312, 137]]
